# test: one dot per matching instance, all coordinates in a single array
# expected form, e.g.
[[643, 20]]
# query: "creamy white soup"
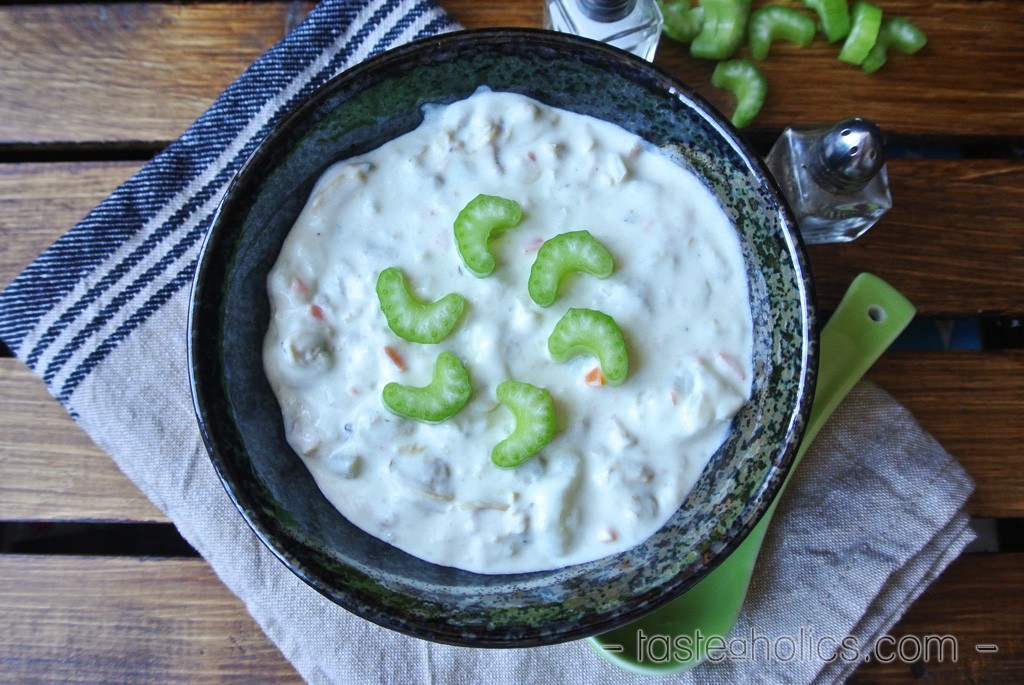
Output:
[[623, 458]]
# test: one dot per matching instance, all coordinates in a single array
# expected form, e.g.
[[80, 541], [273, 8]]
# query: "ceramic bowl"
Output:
[[242, 425]]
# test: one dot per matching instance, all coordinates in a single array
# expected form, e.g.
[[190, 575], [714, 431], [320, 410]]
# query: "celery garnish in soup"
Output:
[[447, 393], [772, 22], [588, 331], [561, 255], [419, 322], [619, 458], [474, 225], [534, 412]]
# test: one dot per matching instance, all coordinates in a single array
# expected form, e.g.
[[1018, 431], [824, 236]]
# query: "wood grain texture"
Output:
[[49, 468], [979, 600], [144, 71], [473, 14], [965, 81], [120, 620], [953, 242], [936, 91], [40, 202], [971, 402], [123, 71], [80, 619]]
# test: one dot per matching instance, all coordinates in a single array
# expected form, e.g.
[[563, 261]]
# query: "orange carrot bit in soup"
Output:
[[317, 312], [595, 378], [395, 357], [299, 286]]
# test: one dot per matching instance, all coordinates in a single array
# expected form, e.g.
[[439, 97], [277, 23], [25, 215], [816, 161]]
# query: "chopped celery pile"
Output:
[[719, 29]]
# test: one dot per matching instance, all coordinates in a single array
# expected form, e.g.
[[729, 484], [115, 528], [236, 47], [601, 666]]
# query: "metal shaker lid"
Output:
[[848, 155]]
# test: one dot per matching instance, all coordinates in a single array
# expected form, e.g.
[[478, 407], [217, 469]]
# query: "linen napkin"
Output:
[[874, 514]]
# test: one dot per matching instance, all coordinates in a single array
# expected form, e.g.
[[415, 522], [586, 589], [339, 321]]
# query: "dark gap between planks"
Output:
[[127, 2], [93, 539], [162, 540], [931, 333], [20, 153], [913, 146]]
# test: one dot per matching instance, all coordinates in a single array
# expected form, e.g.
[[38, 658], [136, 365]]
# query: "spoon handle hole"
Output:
[[876, 313]]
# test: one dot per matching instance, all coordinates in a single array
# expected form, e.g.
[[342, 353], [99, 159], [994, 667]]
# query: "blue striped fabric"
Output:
[[82, 297]]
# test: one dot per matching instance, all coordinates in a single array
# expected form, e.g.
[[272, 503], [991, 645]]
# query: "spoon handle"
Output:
[[867, 320], [865, 323]]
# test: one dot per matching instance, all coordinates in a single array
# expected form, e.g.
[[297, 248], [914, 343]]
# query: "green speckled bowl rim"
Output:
[[241, 423]]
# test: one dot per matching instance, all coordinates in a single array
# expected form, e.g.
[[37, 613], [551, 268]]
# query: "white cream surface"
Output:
[[624, 457]]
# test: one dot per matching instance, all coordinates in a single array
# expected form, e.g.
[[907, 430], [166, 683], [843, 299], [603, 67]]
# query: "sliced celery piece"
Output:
[[895, 32], [534, 411], [419, 322], [723, 29], [834, 16], [566, 253], [474, 225], [747, 82], [866, 21], [771, 22], [588, 331], [447, 393]]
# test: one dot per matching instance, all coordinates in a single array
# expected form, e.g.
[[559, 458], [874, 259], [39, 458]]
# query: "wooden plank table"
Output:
[[93, 586]]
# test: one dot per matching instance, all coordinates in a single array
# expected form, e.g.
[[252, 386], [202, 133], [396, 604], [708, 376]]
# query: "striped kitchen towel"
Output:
[[101, 317], [72, 307]]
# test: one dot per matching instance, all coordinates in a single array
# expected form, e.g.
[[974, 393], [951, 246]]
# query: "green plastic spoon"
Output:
[[870, 316]]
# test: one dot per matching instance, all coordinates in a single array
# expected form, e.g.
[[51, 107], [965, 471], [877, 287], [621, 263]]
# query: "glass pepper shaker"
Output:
[[834, 178], [633, 25]]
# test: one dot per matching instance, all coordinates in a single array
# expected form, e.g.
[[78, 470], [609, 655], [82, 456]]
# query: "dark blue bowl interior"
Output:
[[241, 421]]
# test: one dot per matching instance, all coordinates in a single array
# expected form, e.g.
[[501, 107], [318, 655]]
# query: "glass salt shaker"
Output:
[[633, 25], [834, 178]]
